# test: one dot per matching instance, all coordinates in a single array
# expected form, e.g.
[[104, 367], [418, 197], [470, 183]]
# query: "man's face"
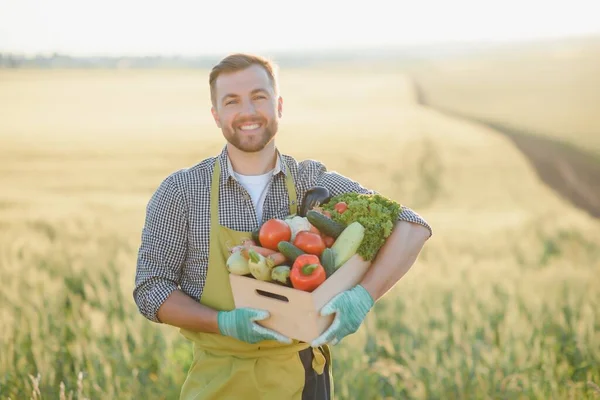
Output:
[[246, 108]]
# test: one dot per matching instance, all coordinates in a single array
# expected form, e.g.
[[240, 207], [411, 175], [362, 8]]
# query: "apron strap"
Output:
[[291, 189], [214, 199], [214, 203]]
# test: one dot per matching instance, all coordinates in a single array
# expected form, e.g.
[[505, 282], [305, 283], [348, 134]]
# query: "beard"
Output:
[[251, 142]]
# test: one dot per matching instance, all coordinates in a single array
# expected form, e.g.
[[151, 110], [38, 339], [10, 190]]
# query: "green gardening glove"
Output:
[[350, 308], [240, 324]]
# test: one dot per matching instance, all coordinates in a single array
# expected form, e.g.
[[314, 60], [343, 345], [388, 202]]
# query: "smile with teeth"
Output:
[[249, 127]]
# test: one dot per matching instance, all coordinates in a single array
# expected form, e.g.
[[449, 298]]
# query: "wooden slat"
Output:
[[298, 317]]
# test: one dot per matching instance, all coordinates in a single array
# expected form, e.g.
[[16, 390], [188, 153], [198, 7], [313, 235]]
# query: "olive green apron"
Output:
[[226, 368]]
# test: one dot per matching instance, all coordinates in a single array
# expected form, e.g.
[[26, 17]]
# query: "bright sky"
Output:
[[195, 27]]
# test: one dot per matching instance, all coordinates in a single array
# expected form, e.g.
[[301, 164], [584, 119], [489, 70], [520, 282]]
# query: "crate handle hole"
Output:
[[272, 295]]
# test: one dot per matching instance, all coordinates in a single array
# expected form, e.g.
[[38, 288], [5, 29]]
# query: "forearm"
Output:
[[395, 258], [182, 311]]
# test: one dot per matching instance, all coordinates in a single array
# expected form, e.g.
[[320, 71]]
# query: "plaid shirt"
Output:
[[175, 237]]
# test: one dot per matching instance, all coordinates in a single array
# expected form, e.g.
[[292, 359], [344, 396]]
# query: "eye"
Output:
[[260, 97], [229, 102]]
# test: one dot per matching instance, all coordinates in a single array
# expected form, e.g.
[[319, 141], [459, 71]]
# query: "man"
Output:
[[197, 213]]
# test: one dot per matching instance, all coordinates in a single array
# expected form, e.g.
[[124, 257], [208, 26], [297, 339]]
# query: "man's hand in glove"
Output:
[[350, 308], [240, 324]]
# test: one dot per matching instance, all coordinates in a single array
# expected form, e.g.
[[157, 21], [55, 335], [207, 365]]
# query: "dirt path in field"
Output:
[[571, 172]]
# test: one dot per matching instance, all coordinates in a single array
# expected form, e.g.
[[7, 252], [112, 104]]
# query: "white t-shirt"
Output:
[[256, 185]]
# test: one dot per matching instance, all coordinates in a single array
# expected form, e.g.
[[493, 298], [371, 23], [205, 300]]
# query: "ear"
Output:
[[279, 106], [215, 116]]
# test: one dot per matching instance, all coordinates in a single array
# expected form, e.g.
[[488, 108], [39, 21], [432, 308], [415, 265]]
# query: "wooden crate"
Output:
[[295, 313]]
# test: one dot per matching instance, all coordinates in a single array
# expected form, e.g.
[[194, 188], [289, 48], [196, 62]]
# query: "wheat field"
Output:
[[503, 303]]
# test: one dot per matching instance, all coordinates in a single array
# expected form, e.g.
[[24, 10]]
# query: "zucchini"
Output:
[[325, 224], [348, 242], [328, 261], [289, 251]]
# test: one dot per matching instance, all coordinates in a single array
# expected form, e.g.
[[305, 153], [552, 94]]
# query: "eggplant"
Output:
[[314, 197]]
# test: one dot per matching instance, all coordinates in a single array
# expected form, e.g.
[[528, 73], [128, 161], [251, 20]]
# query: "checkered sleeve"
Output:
[[163, 249], [408, 215], [339, 184], [335, 182]]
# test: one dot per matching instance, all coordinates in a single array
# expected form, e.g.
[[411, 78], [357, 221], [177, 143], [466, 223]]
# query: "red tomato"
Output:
[[329, 241], [341, 207], [313, 229], [309, 242], [272, 232]]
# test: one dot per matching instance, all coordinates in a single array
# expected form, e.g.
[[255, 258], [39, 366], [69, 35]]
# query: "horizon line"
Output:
[[308, 50]]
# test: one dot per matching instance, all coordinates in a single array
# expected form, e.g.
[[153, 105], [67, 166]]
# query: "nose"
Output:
[[247, 108]]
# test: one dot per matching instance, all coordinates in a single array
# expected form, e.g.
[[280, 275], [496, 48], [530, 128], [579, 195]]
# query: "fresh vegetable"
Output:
[[325, 224], [307, 273], [246, 242], [340, 207], [314, 197], [376, 213], [314, 229], [236, 249], [281, 274], [260, 266], [310, 242], [347, 243], [277, 258], [237, 264], [329, 241], [260, 250], [255, 236], [298, 224], [274, 231], [290, 251], [328, 261]]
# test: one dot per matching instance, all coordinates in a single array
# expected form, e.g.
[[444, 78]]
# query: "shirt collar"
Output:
[[228, 167]]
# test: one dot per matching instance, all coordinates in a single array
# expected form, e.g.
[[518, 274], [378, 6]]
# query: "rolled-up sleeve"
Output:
[[163, 249], [409, 215]]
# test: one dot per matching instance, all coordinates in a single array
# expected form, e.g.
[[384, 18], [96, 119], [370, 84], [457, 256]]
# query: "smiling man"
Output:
[[248, 130], [194, 215]]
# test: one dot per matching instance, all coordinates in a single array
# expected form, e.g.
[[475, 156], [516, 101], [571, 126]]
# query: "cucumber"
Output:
[[348, 243], [325, 224], [255, 236], [289, 251], [328, 261]]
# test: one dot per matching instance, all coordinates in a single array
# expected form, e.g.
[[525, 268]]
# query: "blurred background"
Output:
[[484, 117]]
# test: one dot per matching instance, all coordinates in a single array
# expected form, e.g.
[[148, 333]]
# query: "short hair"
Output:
[[238, 62]]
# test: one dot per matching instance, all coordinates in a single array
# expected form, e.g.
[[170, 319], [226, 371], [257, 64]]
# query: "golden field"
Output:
[[550, 89], [504, 302]]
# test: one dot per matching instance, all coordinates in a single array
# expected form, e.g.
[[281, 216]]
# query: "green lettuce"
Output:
[[377, 213]]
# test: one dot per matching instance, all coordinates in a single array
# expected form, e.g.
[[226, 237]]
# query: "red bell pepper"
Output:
[[307, 273]]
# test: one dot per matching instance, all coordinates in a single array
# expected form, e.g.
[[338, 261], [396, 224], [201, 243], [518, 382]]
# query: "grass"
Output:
[[503, 302]]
